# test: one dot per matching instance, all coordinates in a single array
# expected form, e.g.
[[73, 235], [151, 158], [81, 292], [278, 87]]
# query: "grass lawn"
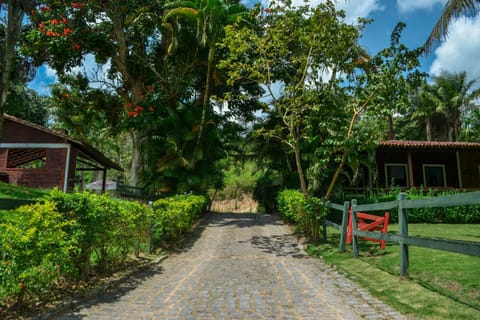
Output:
[[15, 192], [442, 285]]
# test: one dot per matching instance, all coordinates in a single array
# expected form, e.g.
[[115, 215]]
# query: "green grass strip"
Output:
[[442, 285]]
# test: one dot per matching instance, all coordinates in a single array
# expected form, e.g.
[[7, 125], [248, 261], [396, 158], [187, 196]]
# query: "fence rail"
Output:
[[402, 238]]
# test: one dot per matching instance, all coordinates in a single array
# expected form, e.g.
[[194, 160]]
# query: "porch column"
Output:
[[411, 183], [459, 171]]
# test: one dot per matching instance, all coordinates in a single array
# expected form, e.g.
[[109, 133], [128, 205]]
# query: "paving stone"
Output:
[[241, 266]]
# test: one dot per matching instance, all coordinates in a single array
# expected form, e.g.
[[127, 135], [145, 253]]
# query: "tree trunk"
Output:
[[298, 160], [345, 150], [14, 20], [428, 128], [136, 159], [206, 99], [391, 131]]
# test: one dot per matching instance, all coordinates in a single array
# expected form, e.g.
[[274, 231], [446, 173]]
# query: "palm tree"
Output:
[[456, 98], [425, 104], [453, 9], [209, 18]]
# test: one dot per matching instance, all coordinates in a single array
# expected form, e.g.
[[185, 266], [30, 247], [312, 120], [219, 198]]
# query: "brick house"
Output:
[[429, 164], [34, 156], [416, 164]]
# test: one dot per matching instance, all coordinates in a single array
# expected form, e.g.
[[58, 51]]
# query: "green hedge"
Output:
[[175, 215], [69, 235], [305, 213], [455, 214]]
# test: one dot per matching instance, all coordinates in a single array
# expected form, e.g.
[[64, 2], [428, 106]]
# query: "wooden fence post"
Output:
[[403, 228], [343, 231], [354, 229]]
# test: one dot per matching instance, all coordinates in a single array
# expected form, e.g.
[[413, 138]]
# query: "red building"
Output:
[[34, 156], [431, 164]]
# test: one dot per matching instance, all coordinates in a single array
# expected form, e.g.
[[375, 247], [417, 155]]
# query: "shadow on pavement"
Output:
[[279, 245], [108, 296]]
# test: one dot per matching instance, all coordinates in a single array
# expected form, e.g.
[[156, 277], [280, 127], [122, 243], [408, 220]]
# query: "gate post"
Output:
[[354, 228], [343, 231], [403, 228]]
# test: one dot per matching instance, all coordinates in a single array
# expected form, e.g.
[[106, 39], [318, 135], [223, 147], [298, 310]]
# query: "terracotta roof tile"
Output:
[[87, 149], [402, 144]]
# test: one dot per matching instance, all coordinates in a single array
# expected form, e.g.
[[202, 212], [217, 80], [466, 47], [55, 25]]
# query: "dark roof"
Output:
[[406, 144], [88, 151]]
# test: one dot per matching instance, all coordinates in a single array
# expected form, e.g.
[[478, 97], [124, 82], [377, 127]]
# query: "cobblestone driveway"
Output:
[[241, 266]]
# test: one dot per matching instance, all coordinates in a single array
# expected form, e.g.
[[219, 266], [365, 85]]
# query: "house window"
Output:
[[434, 175], [31, 158], [396, 174]]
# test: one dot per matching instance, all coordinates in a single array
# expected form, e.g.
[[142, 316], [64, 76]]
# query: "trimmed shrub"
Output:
[[174, 216], [104, 229], [35, 249], [305, 213]]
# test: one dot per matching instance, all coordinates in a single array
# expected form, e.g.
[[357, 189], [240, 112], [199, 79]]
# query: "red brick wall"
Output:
[[14, 132], [48, 177]]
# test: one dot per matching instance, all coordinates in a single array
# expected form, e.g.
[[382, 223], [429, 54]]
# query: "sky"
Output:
[[459, 52]]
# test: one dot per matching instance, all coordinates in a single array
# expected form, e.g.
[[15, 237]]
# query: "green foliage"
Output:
[[35, 249], [266, 190], [26, 104], [105, 229], [71, 234], [174, 216], [305, 213]]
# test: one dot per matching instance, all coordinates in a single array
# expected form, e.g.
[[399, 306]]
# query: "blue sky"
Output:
[[460, 51]]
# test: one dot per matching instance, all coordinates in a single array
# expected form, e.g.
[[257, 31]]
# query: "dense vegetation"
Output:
[[185, 90], [66, 238], [187, 95]]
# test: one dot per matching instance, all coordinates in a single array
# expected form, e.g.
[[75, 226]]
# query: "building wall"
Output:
[[419, 158], [50, 176], [470, 169]]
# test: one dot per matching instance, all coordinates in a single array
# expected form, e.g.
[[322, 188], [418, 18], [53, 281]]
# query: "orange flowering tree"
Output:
[[121, 35]]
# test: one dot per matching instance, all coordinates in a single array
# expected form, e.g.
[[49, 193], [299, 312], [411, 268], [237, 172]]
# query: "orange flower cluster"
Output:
[[134, 110], [54, 22]]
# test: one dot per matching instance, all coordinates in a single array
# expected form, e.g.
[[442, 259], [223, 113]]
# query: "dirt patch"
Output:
[[244, 204]]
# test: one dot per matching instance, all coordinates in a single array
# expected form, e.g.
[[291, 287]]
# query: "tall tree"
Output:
[[453, 9], [124, 34], [10, 34], [26, 104], [396, 75], [457, 96], [292, 49], [208, 17]]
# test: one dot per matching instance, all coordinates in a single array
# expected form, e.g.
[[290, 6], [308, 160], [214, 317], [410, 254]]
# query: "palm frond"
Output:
[[453, 9]]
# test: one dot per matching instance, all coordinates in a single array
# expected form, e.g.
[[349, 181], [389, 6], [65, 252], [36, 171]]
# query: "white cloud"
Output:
[[406, 6], [353, 8], [460, 51], [95, 72], [356, 9]]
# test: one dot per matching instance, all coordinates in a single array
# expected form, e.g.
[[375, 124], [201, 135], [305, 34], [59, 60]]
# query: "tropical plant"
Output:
[[453, 9], [457, 96], [209, 18], [396, 75]]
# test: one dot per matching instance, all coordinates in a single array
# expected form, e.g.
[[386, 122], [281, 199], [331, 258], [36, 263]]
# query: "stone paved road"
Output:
[[241, 266]]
